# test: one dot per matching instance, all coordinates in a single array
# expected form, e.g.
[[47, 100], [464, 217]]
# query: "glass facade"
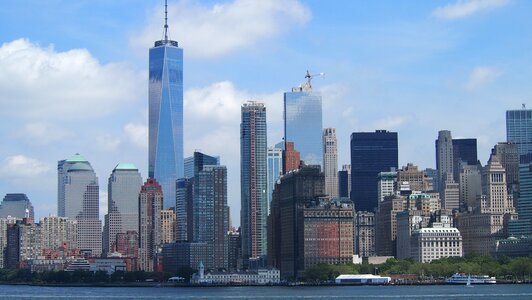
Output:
[[253, 180], [371, 153], [123, 205], [519, 129], [166, 117], [303, 124], [275, 168]]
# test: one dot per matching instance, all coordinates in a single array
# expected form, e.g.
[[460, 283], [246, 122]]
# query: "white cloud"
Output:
[[391, 123], [20, 166], [44, 133], [464, 8], [107, 143], [210, 31], [137, 134], [481, 76], [38, 82]]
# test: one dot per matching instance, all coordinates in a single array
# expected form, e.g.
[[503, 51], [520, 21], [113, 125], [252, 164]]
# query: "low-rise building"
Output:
[[441, 240], [255, 277]]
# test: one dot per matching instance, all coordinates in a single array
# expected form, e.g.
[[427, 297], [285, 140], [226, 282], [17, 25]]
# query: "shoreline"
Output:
[[171, 285]]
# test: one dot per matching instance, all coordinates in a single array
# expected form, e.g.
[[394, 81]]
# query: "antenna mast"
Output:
[[166, 21]]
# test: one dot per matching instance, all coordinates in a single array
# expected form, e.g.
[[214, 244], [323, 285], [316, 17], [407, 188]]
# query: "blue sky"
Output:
[[73, 77]]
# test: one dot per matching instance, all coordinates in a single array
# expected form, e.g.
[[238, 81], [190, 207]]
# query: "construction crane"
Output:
[[308, 85]]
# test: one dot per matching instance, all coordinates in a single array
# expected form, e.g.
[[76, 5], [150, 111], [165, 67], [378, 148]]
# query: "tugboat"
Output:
[[468, 279]]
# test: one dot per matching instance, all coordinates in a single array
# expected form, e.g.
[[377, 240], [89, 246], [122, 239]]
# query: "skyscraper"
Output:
[[519, 129], [344, 181], [15, 205], [123, 205], [166, 115], [444, 156], [79, 199], [184, 208], [371, 153], [253, 180], [330, 162], [303, 122], [150, 206], [464, 153], [275, 169]]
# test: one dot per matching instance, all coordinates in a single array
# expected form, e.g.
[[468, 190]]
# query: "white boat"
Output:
[[470, 279]]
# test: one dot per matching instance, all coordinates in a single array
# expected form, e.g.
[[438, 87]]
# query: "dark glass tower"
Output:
[[166, 116], [519, 129], [371, 153], [464, 150]]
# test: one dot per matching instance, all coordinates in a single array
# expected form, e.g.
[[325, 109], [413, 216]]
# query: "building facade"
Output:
[[364, 234], [167, 225], [275, 169], [344, 181], [330, 161], [165, 118], [123, 205], [303, 123], [371, 153], [519, 129], [253, 182], [291, 158], [79, 199], [444, 157], [437, 242], [150, 206], [16, 206]]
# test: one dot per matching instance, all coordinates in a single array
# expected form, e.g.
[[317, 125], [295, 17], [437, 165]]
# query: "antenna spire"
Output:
[[166, 21]]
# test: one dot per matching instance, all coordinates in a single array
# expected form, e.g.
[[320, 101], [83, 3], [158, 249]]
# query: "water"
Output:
[[498, 291]]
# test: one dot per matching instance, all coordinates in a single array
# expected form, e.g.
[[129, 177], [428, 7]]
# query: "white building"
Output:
[[386, 186], [258, 277], [330, 162], [428, 244]]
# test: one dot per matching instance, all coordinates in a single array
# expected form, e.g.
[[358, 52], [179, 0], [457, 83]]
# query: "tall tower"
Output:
[[150, 206], [275, 169], [330, 162], [166, 115], [123, 205], [303, 122], [444, 157], [253, 180], [371, 153], [519, 129], [79, 199]]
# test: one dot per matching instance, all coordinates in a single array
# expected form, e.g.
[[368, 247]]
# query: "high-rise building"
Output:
[[16, 206], [464, 153], [523, 226], [330, 161], [123, 203], [387, 182], [211, 213], [194, 164], [58, 232], [235, 249], [167, 225], [303, 122], [444, 156], [450, 193], [344, 181], [508, 156], [79, 199], [253, 182], [417, 179], [150, 206], [184, 209], [519, 129], [386, 224], [275, 169], [364, 234], [371, 153], [165, 162], [470, 186], [291, 158]]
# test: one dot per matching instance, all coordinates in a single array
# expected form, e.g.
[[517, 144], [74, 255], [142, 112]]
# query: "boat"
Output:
[[460, 278]]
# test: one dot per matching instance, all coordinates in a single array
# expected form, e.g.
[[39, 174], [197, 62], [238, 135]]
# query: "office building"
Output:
[[508, 156], [275, 169], [123, 204], [371, 153], [470, 186], [253, 180], [165, 117], [519, 129], [303, 123], [184, 209], [330, 161], [79, 199], [464, 153], [450, 193], [387, 182], [364, 232], [235, 250], [291, 158], [386, 224], [344, 181], [444, 157], [150, 206], [127, 244], [439, 241], [179, 255], [16, 206], [167, 225], [416, 178]]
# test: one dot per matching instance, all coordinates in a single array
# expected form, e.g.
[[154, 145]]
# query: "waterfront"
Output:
[[499, 291]]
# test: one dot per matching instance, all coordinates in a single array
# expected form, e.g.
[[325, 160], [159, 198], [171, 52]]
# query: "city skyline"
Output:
[[108, 125]]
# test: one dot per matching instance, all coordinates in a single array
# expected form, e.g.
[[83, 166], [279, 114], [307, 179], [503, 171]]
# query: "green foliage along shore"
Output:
[[504, 268]]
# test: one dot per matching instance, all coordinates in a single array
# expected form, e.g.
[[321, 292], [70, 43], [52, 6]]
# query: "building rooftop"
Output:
[[126, 167], [76, 158]]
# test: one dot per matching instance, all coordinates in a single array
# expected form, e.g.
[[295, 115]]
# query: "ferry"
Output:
[[460, 278]]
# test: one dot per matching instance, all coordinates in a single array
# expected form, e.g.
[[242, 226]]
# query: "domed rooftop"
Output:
[[126, 167], [76, 158], [80, 166]]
